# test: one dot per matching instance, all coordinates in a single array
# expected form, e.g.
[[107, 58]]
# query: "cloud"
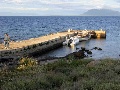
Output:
[[13, 1], [17, 1], [25, 9], [51, 4], [33, 9], [112, 7], [64, 4], [117, 1], [55, 6]]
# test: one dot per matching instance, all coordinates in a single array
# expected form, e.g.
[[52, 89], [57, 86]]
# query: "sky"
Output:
[[54, 7]]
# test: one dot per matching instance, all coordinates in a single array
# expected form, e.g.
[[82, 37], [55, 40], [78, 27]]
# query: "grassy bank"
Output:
[[70, 74]]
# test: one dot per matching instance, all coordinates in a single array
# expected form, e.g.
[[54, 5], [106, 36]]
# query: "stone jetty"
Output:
[[37, 46]]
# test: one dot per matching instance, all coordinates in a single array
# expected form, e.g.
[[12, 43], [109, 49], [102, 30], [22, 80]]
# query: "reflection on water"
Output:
[[73, 48], [84, 43], [90, 44]]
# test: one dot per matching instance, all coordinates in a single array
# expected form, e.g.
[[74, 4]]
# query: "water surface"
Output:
[[21, 28]]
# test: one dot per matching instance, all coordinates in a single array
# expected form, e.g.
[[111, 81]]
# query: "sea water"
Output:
[[26, 27]]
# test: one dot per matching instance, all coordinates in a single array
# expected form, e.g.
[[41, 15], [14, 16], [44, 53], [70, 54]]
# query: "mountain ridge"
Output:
[[101, 12]]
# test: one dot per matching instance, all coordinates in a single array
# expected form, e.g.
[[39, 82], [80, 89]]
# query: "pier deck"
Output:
[[24, 43]]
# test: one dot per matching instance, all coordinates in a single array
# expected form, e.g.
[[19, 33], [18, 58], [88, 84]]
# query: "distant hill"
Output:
[[101, 12]]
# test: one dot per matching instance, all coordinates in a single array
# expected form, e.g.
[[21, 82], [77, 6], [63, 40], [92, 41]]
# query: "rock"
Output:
[[95, 48], [99, 48], [77, 48], [79, 54], [92, 49], [89, 52], [86, 50], [83, 48]]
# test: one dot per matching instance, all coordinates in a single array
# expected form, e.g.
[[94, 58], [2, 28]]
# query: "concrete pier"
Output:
[[36, 46], [95, 33], [100, 34]]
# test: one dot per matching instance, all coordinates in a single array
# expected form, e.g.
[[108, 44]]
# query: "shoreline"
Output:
[[83, 53]]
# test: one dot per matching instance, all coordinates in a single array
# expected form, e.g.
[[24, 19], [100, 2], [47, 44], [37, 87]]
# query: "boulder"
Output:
[[95, 48], [77, 48], [99, 48], [79, 54], [89, 52], [83, 48], [86, 50]]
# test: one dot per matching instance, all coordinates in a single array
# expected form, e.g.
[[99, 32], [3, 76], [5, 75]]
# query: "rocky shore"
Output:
[[79, 54]]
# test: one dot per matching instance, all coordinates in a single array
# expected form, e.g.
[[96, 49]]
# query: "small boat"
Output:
[[75, 40], [66, 41], [84, 36], [72, 41], [81, 36]]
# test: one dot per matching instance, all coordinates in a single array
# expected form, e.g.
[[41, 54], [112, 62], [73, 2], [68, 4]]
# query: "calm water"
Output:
[[20, 28]]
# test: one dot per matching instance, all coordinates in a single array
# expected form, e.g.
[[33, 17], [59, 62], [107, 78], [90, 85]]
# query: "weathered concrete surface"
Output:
[[100, 34], [24, 43]]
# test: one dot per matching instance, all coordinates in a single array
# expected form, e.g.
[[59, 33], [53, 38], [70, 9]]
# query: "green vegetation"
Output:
[[70, 74]]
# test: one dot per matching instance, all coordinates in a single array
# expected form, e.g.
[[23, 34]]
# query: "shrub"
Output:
[[64, 70], [55, 80], [26, 63]]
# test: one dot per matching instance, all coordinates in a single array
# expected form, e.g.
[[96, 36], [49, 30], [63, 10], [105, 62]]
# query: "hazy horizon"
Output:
[[54, 7]]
